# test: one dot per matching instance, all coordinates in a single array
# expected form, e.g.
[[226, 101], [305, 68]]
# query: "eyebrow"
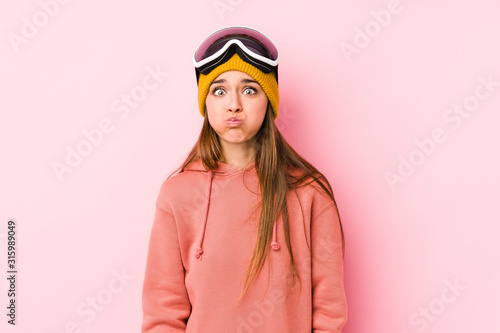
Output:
[[242, 81]]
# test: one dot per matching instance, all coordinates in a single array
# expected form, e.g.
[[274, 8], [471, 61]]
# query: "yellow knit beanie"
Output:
[[267, 81]]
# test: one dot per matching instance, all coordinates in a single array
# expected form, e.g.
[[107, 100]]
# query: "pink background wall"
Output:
[[397, 102]]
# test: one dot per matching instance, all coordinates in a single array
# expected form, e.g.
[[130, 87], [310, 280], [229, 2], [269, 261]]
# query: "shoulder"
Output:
[[311, 191], [309, 183], [177, 187]]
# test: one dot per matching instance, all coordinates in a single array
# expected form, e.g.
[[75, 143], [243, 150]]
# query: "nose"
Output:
[[234, 102]]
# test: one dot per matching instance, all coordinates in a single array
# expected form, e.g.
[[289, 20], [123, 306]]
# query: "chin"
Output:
[[235, 139]]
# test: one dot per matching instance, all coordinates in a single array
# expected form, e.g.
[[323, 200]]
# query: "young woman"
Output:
[[247, 236]]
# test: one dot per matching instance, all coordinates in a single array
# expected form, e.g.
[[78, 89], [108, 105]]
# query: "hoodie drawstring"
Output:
[[199, 251], [274, 244]]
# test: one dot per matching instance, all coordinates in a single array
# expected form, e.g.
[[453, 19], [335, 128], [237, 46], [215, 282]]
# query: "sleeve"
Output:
[[329, 304], [165, 301]]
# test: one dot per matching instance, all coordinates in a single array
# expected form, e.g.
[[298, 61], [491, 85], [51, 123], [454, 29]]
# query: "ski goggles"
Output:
[[252, 46]]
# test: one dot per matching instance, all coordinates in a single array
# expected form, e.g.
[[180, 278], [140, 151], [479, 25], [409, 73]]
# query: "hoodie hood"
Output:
[[224, 169]]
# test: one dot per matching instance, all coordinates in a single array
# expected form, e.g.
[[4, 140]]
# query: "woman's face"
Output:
[[235, 94]]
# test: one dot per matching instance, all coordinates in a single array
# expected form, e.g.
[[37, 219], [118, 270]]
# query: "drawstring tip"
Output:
[[199, 252], [275, 246]]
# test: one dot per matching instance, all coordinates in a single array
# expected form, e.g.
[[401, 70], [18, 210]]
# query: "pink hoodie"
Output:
[[202, 239]]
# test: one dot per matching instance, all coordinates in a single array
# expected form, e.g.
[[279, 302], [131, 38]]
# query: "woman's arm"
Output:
[[329, 304], [165, 302]]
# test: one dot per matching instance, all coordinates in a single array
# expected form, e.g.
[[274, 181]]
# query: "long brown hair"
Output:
[[273, 160]]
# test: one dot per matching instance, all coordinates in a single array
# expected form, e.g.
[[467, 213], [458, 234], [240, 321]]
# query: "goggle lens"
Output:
[[251, 44]]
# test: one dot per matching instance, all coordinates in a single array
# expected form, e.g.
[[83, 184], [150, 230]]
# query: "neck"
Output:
[[238, 154]]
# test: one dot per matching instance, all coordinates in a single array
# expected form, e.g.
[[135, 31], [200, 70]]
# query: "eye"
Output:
[[249, 91], [217, 91]]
